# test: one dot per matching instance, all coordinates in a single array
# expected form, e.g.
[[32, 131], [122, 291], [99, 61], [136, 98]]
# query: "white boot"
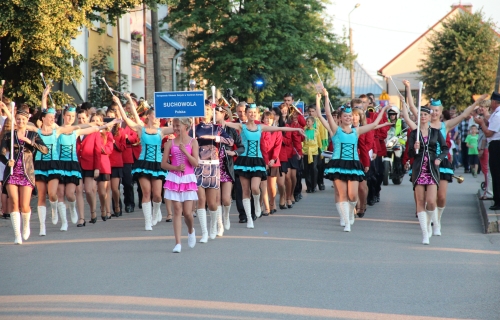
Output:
[[72, 212], [439, 215], [220, 226], [256, 203], [154, 219], [227, 223], [61, 209], [213, 224], [26, 225], [352, 208], [157, 212], [344, 211], [53, 207], [422, 218], [15, 218], [146, 210], [339, 211], [202, 216], [42, 213], [248, 210], [436, 228], [429, 223]]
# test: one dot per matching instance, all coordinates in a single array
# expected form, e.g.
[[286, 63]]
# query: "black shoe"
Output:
[[265, 214], [313, 190], [244, 220], [6, 215], [377, 199], [290, 206], [495, 208], [371, 202], [308, 191], [361, 214], [104, 218], [92, 220], [254, 218], [140, 205], [128, 209], [168, 219], [273, 211], [82, 224], [282, 207], [321, 187], [293, 202]]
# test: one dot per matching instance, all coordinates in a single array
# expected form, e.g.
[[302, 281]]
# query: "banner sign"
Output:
[[179, 104], [299, 105]]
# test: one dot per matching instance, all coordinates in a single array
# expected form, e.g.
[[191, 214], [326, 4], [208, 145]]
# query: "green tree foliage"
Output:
[[461, 61], [99, 94], [232, 43], [35, 37]]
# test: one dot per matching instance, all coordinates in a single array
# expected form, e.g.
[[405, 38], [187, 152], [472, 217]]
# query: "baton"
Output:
[[45, 84], [420, 85], [104, 80]]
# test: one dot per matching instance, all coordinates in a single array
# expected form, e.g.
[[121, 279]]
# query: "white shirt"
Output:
[[494, 125]]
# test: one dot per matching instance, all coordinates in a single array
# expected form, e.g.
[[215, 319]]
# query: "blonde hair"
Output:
[[184, 121], [485, 103], [362, 116]]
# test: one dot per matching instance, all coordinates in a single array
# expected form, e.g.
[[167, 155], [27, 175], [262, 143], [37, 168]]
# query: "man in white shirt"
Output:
[[492, 133]]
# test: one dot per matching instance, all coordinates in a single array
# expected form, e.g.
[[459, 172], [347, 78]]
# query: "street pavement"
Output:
[[295, 264]]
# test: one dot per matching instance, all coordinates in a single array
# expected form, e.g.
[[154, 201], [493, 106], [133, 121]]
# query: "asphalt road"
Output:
[[296, 264]]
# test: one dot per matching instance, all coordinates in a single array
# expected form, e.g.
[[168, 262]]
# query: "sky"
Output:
[[384, 28]]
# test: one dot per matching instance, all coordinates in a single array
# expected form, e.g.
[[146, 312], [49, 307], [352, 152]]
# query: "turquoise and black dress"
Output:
[[250, 163], [445, 168], [345, 164], [46, 164], [149, 163], [68, 167]]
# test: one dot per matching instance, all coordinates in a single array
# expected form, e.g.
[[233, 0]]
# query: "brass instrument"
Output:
[[460, 179], [142, 107]]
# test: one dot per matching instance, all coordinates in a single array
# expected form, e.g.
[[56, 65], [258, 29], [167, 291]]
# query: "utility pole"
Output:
[[351, 52], [155, 30]]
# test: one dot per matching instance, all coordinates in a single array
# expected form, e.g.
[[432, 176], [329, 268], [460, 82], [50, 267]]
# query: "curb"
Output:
[[489, 217]]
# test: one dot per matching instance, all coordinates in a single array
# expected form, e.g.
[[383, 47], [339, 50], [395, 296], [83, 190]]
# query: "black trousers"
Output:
[[321, 170], [299, 173], [128, 185], [465, 156], [379, 165], [494, 150], [238, 194], [311, 172], [371, 181]]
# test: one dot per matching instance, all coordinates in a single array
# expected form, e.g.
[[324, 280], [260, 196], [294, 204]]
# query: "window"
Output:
[[109, 28]]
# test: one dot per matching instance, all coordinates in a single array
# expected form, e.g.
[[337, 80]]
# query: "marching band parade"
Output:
[[198, 167]]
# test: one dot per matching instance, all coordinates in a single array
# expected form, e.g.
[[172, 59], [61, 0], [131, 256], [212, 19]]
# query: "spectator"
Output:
[[463, 129], [472, 152]]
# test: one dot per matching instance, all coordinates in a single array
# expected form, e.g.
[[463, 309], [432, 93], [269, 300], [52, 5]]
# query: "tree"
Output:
[[99, 94], [461, 61], [35, 37], [233, 43]]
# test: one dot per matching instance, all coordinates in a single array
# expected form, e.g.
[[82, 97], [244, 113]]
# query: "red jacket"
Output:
[[365, 142], [106, 150], [270, 146], [119, 145], [131, 139], [380, 134], [89, 151], [297, 138], [286, 151]]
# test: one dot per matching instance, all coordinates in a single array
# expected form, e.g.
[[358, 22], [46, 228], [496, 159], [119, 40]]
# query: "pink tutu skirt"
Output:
[[180, 187]]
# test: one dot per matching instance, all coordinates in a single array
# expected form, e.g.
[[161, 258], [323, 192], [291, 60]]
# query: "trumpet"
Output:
[[460, 179]]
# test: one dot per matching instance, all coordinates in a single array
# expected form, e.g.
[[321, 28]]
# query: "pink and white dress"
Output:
[[180, 186]]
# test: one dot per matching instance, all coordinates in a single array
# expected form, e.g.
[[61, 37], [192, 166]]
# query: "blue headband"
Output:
[[347, 109], [50, 111], [436, 103], [71, 109], [252, 106]]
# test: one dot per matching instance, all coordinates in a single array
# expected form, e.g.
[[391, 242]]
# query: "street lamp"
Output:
[[350, 50], [192, 84]]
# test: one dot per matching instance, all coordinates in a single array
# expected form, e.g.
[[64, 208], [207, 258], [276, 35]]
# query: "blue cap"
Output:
[[252, 106], [436, 103], [347, 109]]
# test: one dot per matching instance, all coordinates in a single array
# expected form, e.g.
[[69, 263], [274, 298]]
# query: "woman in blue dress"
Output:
[[345, 169], [250, 166], [147, 169]]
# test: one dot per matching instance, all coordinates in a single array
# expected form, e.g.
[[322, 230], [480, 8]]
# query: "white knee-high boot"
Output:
[[26, 224], [344, 211], [422, 219], [439, 215], [157, 212], [146, 210], [42, 214], [436, 228], [202, 217], [53, 207], [339, 211], [352, 207], [61, 208], [72, 211], [256, 203], [227, 223], [248, 210], [429, 223], [15, 218], [213, 224], [220, 226]]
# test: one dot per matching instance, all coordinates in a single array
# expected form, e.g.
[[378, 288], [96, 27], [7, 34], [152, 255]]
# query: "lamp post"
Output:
[[192, 84], [350, 50]]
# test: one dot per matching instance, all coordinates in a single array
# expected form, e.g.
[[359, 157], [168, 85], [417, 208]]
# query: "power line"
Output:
[[373, 27]]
